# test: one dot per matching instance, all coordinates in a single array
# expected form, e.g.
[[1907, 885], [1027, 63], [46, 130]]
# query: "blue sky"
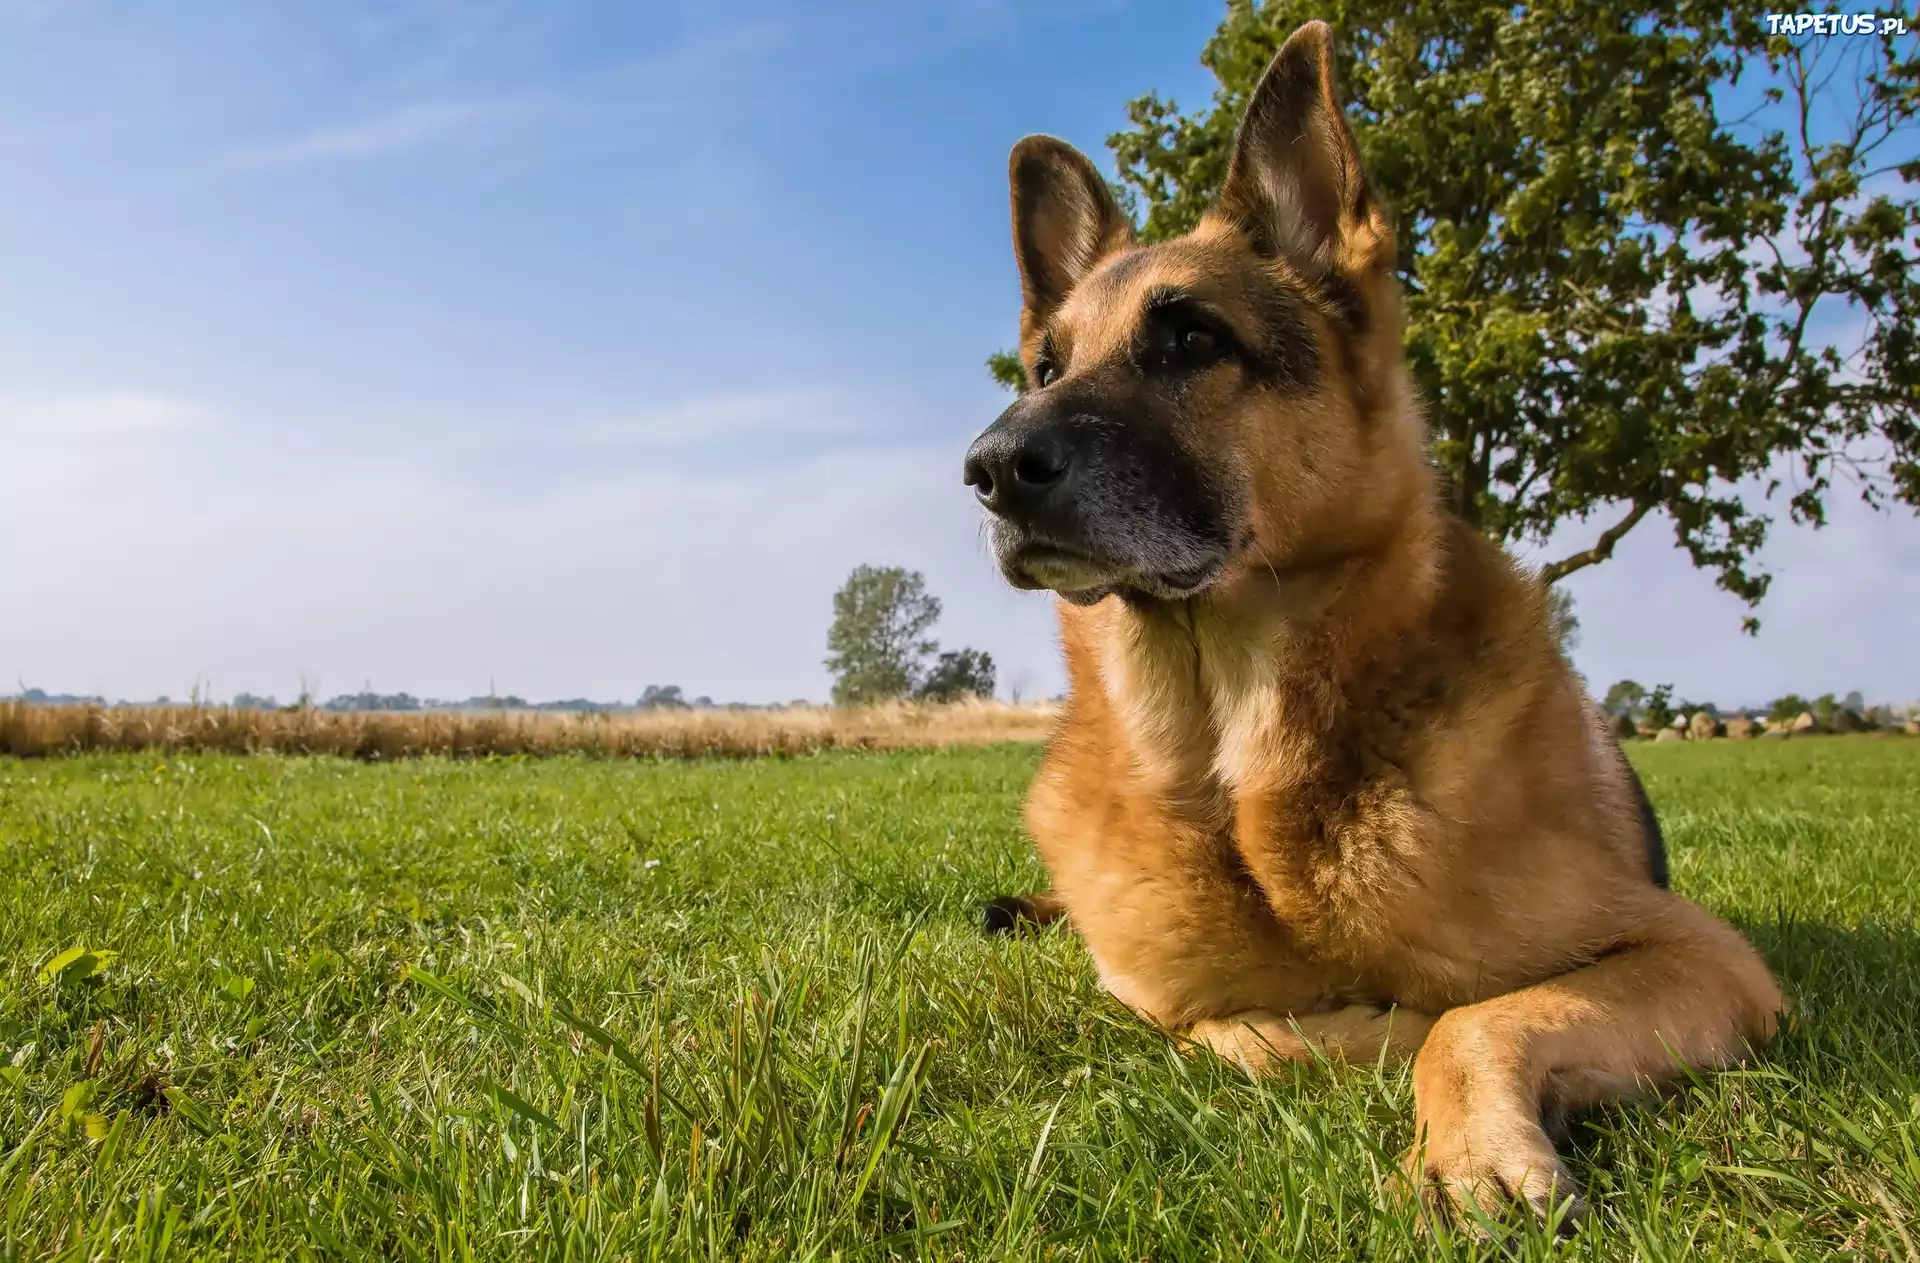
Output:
[[572, 348]]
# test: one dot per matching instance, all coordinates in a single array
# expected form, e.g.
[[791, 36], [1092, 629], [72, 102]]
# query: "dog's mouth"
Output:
[[1084, 579]]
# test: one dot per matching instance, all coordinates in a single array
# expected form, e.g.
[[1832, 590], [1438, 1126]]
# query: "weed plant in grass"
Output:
[[570, 1008]]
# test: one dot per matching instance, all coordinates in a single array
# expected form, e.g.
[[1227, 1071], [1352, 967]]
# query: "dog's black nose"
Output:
[[1016, 468]]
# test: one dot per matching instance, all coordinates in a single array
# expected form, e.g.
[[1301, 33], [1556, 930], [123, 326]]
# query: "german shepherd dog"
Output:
[[1324, 783]]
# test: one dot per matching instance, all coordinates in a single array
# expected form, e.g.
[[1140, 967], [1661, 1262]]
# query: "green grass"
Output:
[[577, 1009]]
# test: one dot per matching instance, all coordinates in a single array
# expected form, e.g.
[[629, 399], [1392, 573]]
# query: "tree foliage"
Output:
[[1658, 710], [878, 644], [1625, 697], [1787, 709], [958, 674], [1621, 298]]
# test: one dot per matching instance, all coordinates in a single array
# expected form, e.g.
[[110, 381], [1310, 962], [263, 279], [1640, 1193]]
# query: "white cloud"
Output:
[[251, 568], [405, 129], [730, 418], [96, 416]]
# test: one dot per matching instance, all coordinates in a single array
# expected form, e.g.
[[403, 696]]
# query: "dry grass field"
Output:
[[31, 731]]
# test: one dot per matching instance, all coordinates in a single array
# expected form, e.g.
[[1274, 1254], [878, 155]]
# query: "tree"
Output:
[[1787, 709], [1824, 707], [662, 697], [960, 673], [1659, 712], [1614, 294], [877, 645], [1625, 697]]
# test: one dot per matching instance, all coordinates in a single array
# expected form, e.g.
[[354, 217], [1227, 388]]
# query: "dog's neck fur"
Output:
[[1272, 658]]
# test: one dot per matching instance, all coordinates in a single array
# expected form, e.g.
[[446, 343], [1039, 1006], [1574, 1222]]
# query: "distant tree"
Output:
[[1824, 707], [1659, 712], [1787, 709], [1855, 702], [960, 673], [1625, 697], [368, 700], [878, 643], [662, 697], [1618, 296]]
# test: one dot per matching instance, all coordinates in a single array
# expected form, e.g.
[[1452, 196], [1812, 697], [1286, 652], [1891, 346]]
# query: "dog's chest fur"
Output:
[[1192, 742]]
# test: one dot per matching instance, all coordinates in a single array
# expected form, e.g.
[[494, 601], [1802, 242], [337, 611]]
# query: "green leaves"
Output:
[[1005, 367], [77, 965]]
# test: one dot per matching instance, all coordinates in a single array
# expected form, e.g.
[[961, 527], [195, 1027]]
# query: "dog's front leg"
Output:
[[1686, 991], [1357, 1034]]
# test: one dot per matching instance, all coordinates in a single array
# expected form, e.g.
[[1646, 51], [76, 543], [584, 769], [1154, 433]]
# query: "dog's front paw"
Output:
[[1237, 1040], [1483, 1164]]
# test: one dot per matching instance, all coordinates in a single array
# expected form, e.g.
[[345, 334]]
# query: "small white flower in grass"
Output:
[[651, 864]]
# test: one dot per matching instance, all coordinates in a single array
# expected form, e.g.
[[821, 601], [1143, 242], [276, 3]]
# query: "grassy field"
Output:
[[571, 1008]]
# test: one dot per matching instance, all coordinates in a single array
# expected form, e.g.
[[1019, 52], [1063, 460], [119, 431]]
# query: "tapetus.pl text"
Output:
[[1874, 24]]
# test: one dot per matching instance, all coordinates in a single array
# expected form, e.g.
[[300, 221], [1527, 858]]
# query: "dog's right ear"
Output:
[[1064, 222]]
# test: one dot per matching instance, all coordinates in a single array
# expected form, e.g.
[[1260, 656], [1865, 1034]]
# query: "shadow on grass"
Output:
[[1851, 991], [1846, 985]]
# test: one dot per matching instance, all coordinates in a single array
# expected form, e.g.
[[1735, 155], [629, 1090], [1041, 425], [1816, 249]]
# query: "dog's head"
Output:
[[1229, 399]]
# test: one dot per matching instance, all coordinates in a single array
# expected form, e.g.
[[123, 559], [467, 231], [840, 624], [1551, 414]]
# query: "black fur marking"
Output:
[[1254, 228], [1343, 296], [1284, 354], [1656, 842], [1116, 271], [1087, 596], [1140, 499], [1009, 914]]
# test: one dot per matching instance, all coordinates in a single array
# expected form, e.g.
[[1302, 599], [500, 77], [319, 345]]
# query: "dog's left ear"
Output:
[[1295, 184]]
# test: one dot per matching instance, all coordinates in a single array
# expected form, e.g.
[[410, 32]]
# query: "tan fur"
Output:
[[1351, 797]]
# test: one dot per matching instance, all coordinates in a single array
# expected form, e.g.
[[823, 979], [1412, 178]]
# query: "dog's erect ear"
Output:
[[1295, 183], [1064, 220]]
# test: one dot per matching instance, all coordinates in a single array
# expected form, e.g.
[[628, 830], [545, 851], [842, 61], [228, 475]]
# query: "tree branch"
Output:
[[1601, 550]]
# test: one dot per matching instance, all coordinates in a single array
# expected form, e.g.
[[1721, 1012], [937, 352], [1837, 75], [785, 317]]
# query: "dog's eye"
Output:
[[1180, 342], [1198, 342], [1045, 374]]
